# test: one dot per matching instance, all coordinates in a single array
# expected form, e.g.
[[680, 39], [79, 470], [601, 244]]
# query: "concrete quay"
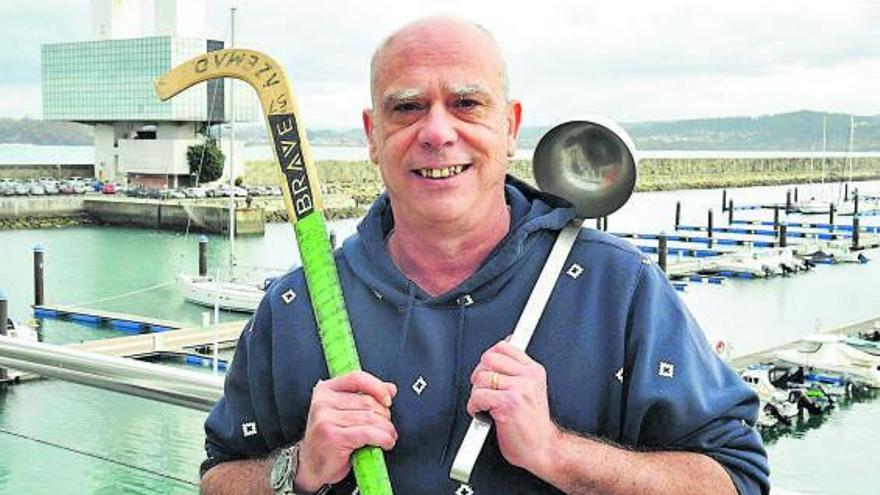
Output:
[[209, 215], [174, 215], [40, 207]]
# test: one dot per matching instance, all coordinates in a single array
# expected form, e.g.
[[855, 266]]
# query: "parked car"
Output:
[[9, 188], [6, 184], [66, 188], [22, 189], [51, 187], [78, 185], [109, 188], [135, 192], [35, 189], [223, 191], [176, 194], [195, 192]]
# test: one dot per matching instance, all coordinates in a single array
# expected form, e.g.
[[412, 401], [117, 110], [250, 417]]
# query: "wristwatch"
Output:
[[284, 472]]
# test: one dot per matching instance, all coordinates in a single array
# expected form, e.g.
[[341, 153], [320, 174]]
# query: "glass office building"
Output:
[[112, 80], [139, 139]]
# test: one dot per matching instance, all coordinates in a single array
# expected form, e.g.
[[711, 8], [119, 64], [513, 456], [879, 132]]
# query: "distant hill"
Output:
[[794, 131], [29, 131]]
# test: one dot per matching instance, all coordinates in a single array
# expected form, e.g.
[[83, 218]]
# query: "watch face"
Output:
[[281, 469]]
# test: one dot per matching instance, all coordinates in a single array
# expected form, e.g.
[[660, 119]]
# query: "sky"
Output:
[[628, 60]]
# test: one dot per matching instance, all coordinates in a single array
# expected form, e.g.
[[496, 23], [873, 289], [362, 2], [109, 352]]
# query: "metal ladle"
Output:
[[592, 164]]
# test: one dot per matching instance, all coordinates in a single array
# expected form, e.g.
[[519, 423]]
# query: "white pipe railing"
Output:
[[153, 381]]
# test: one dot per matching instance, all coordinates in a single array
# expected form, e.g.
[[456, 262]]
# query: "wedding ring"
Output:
[[494, 380]]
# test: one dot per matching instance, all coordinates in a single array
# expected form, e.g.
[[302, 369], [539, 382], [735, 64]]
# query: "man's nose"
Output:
[[438, 130]]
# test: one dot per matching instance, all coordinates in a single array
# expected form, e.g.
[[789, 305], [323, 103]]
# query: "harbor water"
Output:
[[58, 437]]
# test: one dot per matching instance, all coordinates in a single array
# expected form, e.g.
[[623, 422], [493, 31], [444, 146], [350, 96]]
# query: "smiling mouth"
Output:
[[441, 173]]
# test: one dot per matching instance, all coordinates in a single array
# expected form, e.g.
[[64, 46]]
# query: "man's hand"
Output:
[[346, 413], [512, 388]]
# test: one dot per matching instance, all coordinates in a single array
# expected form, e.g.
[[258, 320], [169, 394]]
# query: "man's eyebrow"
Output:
[[395, 97], [467, 90]]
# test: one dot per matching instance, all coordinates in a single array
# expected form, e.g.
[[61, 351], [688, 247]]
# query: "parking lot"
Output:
[[48, 186]]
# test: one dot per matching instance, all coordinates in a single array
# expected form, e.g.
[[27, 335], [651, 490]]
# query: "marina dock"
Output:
[[174, 341], [767, 355], [156, 338], [119, 321]]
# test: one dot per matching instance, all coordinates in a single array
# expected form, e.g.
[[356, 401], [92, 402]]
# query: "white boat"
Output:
[[228, 295], [837, 251], [777, 405], [833, 353], [18, 331], [786, 393], [819, 207], [756, 262]]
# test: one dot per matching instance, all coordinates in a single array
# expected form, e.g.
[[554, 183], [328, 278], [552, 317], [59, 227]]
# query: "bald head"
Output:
[[436, 30]]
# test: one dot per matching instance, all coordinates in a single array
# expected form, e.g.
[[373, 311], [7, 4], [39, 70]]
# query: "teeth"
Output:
[[440, 173]]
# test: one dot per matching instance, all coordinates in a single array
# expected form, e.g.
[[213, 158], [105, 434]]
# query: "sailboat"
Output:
[[230, 295], [817, 206]]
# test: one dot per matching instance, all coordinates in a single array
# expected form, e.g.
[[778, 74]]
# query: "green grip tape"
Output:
[[337, 338]]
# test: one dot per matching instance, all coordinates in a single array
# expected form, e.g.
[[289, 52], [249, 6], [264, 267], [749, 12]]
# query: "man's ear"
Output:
[[369, 128], [514, 119]]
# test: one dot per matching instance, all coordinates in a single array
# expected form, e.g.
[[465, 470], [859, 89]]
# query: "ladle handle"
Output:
[[470, 447]]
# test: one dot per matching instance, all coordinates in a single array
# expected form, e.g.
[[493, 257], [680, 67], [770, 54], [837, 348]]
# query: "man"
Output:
[[619, 393]]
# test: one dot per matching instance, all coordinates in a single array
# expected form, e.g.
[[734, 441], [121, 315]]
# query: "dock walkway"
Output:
[[120, 321], [177, 341], [766, 355], [161, 337]]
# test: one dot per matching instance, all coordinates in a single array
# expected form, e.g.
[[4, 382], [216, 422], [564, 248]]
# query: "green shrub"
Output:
[[205, 161]]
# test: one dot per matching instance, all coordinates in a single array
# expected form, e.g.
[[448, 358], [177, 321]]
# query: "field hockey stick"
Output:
[[302, 197]]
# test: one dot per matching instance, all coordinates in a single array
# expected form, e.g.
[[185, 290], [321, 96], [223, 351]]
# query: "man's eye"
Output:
[[407, 107], [466, 103]]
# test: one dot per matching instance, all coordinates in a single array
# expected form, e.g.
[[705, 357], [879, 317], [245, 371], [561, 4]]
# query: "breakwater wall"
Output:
[[40, 207], [203, 215], [361, 180], [664, 174], [175, 215]]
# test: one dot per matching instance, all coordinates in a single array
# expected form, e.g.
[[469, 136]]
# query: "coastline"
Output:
[[351, 186]]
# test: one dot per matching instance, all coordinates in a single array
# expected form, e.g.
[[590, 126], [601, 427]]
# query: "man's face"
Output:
[[441, 128]]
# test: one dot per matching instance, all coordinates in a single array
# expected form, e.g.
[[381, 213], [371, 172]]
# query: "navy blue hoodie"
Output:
[[625, 360]]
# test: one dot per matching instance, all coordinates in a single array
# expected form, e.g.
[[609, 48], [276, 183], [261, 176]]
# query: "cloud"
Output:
[[633, 60], [20, 100]]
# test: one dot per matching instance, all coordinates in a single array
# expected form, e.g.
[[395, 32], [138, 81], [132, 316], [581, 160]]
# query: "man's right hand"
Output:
[[346, 413]]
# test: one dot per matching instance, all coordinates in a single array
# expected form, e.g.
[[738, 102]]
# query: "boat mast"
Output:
[[849, 156], [824, 146], [231, 150]]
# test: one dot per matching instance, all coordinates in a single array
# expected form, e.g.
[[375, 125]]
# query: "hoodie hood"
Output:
[[533, 214]]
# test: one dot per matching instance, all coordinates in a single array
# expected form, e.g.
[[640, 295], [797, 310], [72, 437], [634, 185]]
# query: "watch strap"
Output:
[[287, 487]]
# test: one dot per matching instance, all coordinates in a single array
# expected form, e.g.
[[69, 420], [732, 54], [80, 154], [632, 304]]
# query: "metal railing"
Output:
[[152, 381]]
